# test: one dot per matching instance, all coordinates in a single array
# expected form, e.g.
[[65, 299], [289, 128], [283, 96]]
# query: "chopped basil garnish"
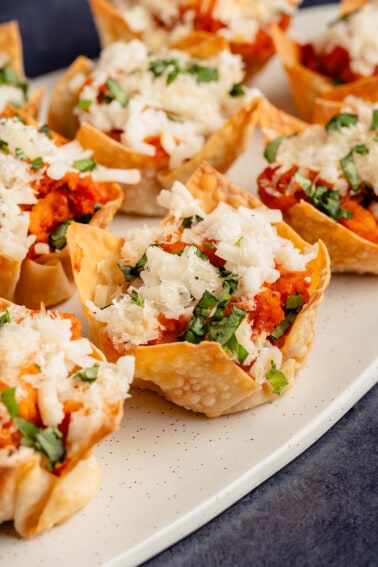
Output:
[[325, 199], [238, 89], [349, 167], [47, 441], [293, 305], [10, 77], [132, 272], [8, 397], [116, 93], [84, 104], [44, 129], [222, 330], [4, 318], [137, 298], [57, 238], [89, 374], [272, 148], [342, 120], [37, 163], [84, 165], [188, 221], [374, 121], [277, 379], [4, 146], [239, 241], [174, 117], [20, 154], [203, 74]]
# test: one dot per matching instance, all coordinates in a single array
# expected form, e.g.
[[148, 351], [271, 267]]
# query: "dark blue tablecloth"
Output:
[[320, 510]]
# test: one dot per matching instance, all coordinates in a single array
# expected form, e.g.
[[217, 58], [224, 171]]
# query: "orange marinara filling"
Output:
[[27, 400], [265, 311], [72, 196], [281, 191], [334, 64]]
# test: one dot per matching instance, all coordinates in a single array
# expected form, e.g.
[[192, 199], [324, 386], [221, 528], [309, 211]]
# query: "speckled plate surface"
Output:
[[167, 471]]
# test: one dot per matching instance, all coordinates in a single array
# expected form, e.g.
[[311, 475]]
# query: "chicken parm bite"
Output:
[[217, 303], [324, 180], [58, 398], [163, 112], [45, 183]]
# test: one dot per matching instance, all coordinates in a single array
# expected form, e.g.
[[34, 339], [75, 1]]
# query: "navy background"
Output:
[[321, 509]]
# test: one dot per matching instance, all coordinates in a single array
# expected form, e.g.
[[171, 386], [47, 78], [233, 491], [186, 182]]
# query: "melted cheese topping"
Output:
[[181, 113], [172, 284], [241, 18], [316, 149], [44, 342], [357, 34]]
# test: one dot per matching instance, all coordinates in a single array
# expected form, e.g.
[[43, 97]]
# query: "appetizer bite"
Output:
[[245, 25], [46, 182], [324, 180], [13, 84], [217, 303], [162, 112], [58, 398], [345, 54]]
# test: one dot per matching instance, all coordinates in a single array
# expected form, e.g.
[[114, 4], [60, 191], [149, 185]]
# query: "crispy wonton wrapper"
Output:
[[348, 251], [220, 150], [199, 377], [34, 498], [112, 27], [48, 278], [11, 45], [307, 85]]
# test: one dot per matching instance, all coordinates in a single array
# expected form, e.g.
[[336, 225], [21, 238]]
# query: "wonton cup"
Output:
[[112, 27], [220, 150], [168, 368], [36, 499], [11, 44], [48, 278], [307, 85], [348, 251]]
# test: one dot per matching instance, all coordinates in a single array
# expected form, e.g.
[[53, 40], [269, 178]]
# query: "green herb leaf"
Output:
[[50, 441], [294, 301], [203, 74], [84, 104], [84, 165], [342, 120], [117, 92], [57, 239], [4, 318], [174, 117], [137, 298], [222, 330], [272, 148], [132, 272], [277, 379], [349, 167], [4, 146], [44, 129], [325, 199], [293, 305], [238, 89], [188, 221], [37, 163], [374, 121], [8, 397], [20, 154], [89, 374]]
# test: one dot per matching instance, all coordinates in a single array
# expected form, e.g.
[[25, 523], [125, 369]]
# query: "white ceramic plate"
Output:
[[167, 471]]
